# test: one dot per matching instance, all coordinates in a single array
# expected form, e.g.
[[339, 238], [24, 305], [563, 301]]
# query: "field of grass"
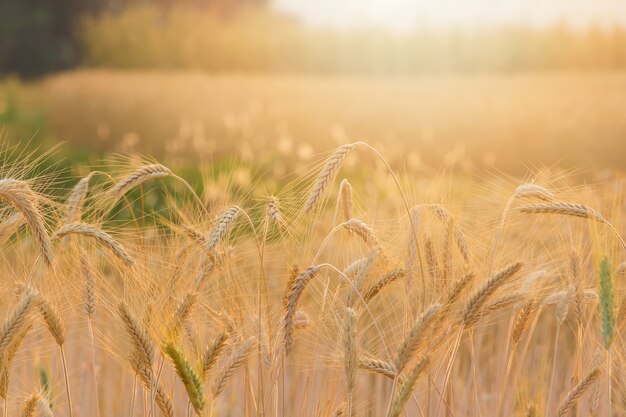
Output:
[[470, 123], [321, 247]]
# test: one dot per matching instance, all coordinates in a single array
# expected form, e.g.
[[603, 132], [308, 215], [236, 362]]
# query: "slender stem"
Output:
[[556, 345], [132, 400], [67, 381], [93, 365], [608, 377], [156, 383]]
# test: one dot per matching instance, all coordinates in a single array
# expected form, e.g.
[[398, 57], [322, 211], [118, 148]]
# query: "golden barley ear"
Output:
[[139, 337], [291, 302], [326, 176], [224, 222], [139, 176], [234, 361], [576, 392], [472, 310], [102, 237], [16, 320], [76, 200], [19, 194]]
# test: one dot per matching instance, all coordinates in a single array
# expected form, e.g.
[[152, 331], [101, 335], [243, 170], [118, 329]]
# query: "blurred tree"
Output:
[[37, 36]]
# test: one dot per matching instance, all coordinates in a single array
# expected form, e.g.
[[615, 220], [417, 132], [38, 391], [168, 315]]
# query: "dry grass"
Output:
[[215, 317]]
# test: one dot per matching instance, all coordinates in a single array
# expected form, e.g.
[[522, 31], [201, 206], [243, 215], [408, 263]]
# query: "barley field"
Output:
[[340, 285]]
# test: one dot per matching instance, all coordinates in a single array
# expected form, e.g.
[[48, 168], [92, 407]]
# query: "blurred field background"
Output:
[[197, 80]]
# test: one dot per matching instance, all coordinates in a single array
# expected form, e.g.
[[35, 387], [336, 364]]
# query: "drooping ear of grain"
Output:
[[431, 260], [566, 209], [234, 361], [471, 312], [6, 359], [183, 311], [224, 222], [291, 302], [531, 190], [99, 235], [522, 319], [139, 337], [407, 387], [76, 200], [139, 176], [188, 376], [52, 319], [10, 225], [607, 302], [16, 320], [213, 352], [19, 194], [361, 229], [386, 280], [575, 393], [326, 176], [378, 366], [416, 335]]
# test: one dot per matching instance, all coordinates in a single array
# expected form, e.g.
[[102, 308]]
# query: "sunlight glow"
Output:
[[405, 15]]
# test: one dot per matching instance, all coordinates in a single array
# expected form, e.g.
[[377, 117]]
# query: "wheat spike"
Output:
[[188, 376], [213, 352], [327, 174], [567, 209], [471, 312], [76, 200], [522, 319], [183, 311], [384, 281], [52, 319], [413, 340], [531, 190], [345, 199], [13, 324], [378, 366], [407, 387], [143, 344], [10, 225], [431, 260], [273, 210], [90, 285], [607, 302], [139, 176], [361, 229], [291, 302], [505, 301], [19, 194], [236, 359], [575, 393], [6, 359], [30, 405], [224, 222], [99, 235]]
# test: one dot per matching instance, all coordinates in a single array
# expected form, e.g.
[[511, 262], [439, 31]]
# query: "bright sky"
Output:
[[402, 15]]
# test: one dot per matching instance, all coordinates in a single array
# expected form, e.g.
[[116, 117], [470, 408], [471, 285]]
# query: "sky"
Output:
[[403, 15]]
